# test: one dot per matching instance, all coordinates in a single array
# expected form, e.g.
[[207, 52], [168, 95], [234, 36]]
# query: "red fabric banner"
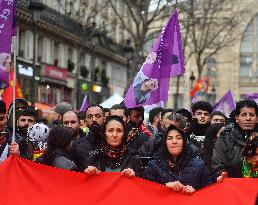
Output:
[[25, 182], [8, 92]]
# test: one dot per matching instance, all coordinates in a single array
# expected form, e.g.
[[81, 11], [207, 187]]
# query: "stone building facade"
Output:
[[72, 59], [234, 68]]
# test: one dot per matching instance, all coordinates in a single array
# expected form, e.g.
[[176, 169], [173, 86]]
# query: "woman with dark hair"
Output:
[[58, 148], [211, 137], [177, 167], [112, 155]]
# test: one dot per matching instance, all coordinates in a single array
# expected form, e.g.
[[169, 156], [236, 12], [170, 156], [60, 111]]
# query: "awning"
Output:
[[43, 107], [114, 99]]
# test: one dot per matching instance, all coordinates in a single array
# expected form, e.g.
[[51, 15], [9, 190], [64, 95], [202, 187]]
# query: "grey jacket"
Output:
[[62, 161]]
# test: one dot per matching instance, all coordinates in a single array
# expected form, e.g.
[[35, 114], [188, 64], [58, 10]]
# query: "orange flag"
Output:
[[8, 92]]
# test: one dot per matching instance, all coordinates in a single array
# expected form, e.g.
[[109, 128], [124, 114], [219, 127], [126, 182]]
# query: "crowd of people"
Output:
[[181, 149]]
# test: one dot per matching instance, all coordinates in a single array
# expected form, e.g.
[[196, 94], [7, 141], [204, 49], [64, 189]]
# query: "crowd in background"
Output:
[[183, 149]]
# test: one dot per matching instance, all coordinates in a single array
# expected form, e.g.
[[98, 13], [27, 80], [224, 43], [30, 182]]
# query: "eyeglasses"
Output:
[[175, 116]]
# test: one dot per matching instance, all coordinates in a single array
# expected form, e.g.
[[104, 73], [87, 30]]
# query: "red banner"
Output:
[[25, 182]]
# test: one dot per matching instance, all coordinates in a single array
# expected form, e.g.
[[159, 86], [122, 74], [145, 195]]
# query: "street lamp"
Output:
[[192, 79], [36, 7], [128, 51], [213, 93], [93, 36]]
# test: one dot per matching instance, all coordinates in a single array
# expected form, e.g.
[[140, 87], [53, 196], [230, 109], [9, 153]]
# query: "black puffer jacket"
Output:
[[193, 172], [81, 148], [152, 148], [227, 152]]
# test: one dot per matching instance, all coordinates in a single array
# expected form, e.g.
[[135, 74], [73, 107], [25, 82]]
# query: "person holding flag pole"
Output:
[[7, 36]]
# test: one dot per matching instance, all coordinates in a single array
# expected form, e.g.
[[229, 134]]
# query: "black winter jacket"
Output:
[[227, 152], [194, 173], [131, 160], [81, 149]]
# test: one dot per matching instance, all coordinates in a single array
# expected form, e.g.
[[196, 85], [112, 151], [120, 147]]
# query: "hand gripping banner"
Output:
[[24, 182]]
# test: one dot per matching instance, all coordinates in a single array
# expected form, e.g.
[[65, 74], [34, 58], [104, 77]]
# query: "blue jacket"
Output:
[[194, 173]]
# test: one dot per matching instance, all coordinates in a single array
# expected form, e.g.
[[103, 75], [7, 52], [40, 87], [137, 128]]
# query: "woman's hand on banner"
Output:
[[223, 175], [188, 190], [128, 172], [175, 186], [91, 170]]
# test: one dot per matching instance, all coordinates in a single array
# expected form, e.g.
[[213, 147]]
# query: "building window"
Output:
[[49, 94], [211, 68], [245, 66], [249, 50], [29, 45]]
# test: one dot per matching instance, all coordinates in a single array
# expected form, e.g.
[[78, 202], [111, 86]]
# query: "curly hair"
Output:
[[202, 105], [59, 137]]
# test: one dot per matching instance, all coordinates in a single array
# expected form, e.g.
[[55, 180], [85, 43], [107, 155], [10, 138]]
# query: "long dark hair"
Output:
[[186, 153], [118, 119], [60, 137]]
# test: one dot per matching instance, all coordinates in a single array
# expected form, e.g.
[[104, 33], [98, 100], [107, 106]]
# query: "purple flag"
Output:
[[226, 104], [165, 60], [7, 30], [252, 96], [85, 104]]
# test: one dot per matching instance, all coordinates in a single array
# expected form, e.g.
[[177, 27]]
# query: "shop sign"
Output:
[[96, 88], [55, 72], [25, 70], [84, 86]]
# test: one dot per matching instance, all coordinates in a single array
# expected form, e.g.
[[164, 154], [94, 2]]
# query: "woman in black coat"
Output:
[[177, 167], [58, 148], [112, 155]]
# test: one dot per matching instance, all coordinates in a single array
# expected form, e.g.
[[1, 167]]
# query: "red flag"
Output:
[[200, 87], [27, 182], [8, 92]]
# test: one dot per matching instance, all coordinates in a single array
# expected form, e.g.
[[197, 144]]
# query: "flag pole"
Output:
[[14, 83]]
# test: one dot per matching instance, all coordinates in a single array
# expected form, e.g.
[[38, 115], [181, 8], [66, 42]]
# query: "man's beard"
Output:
[[95, 129], [23, 129], [75, 133]]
